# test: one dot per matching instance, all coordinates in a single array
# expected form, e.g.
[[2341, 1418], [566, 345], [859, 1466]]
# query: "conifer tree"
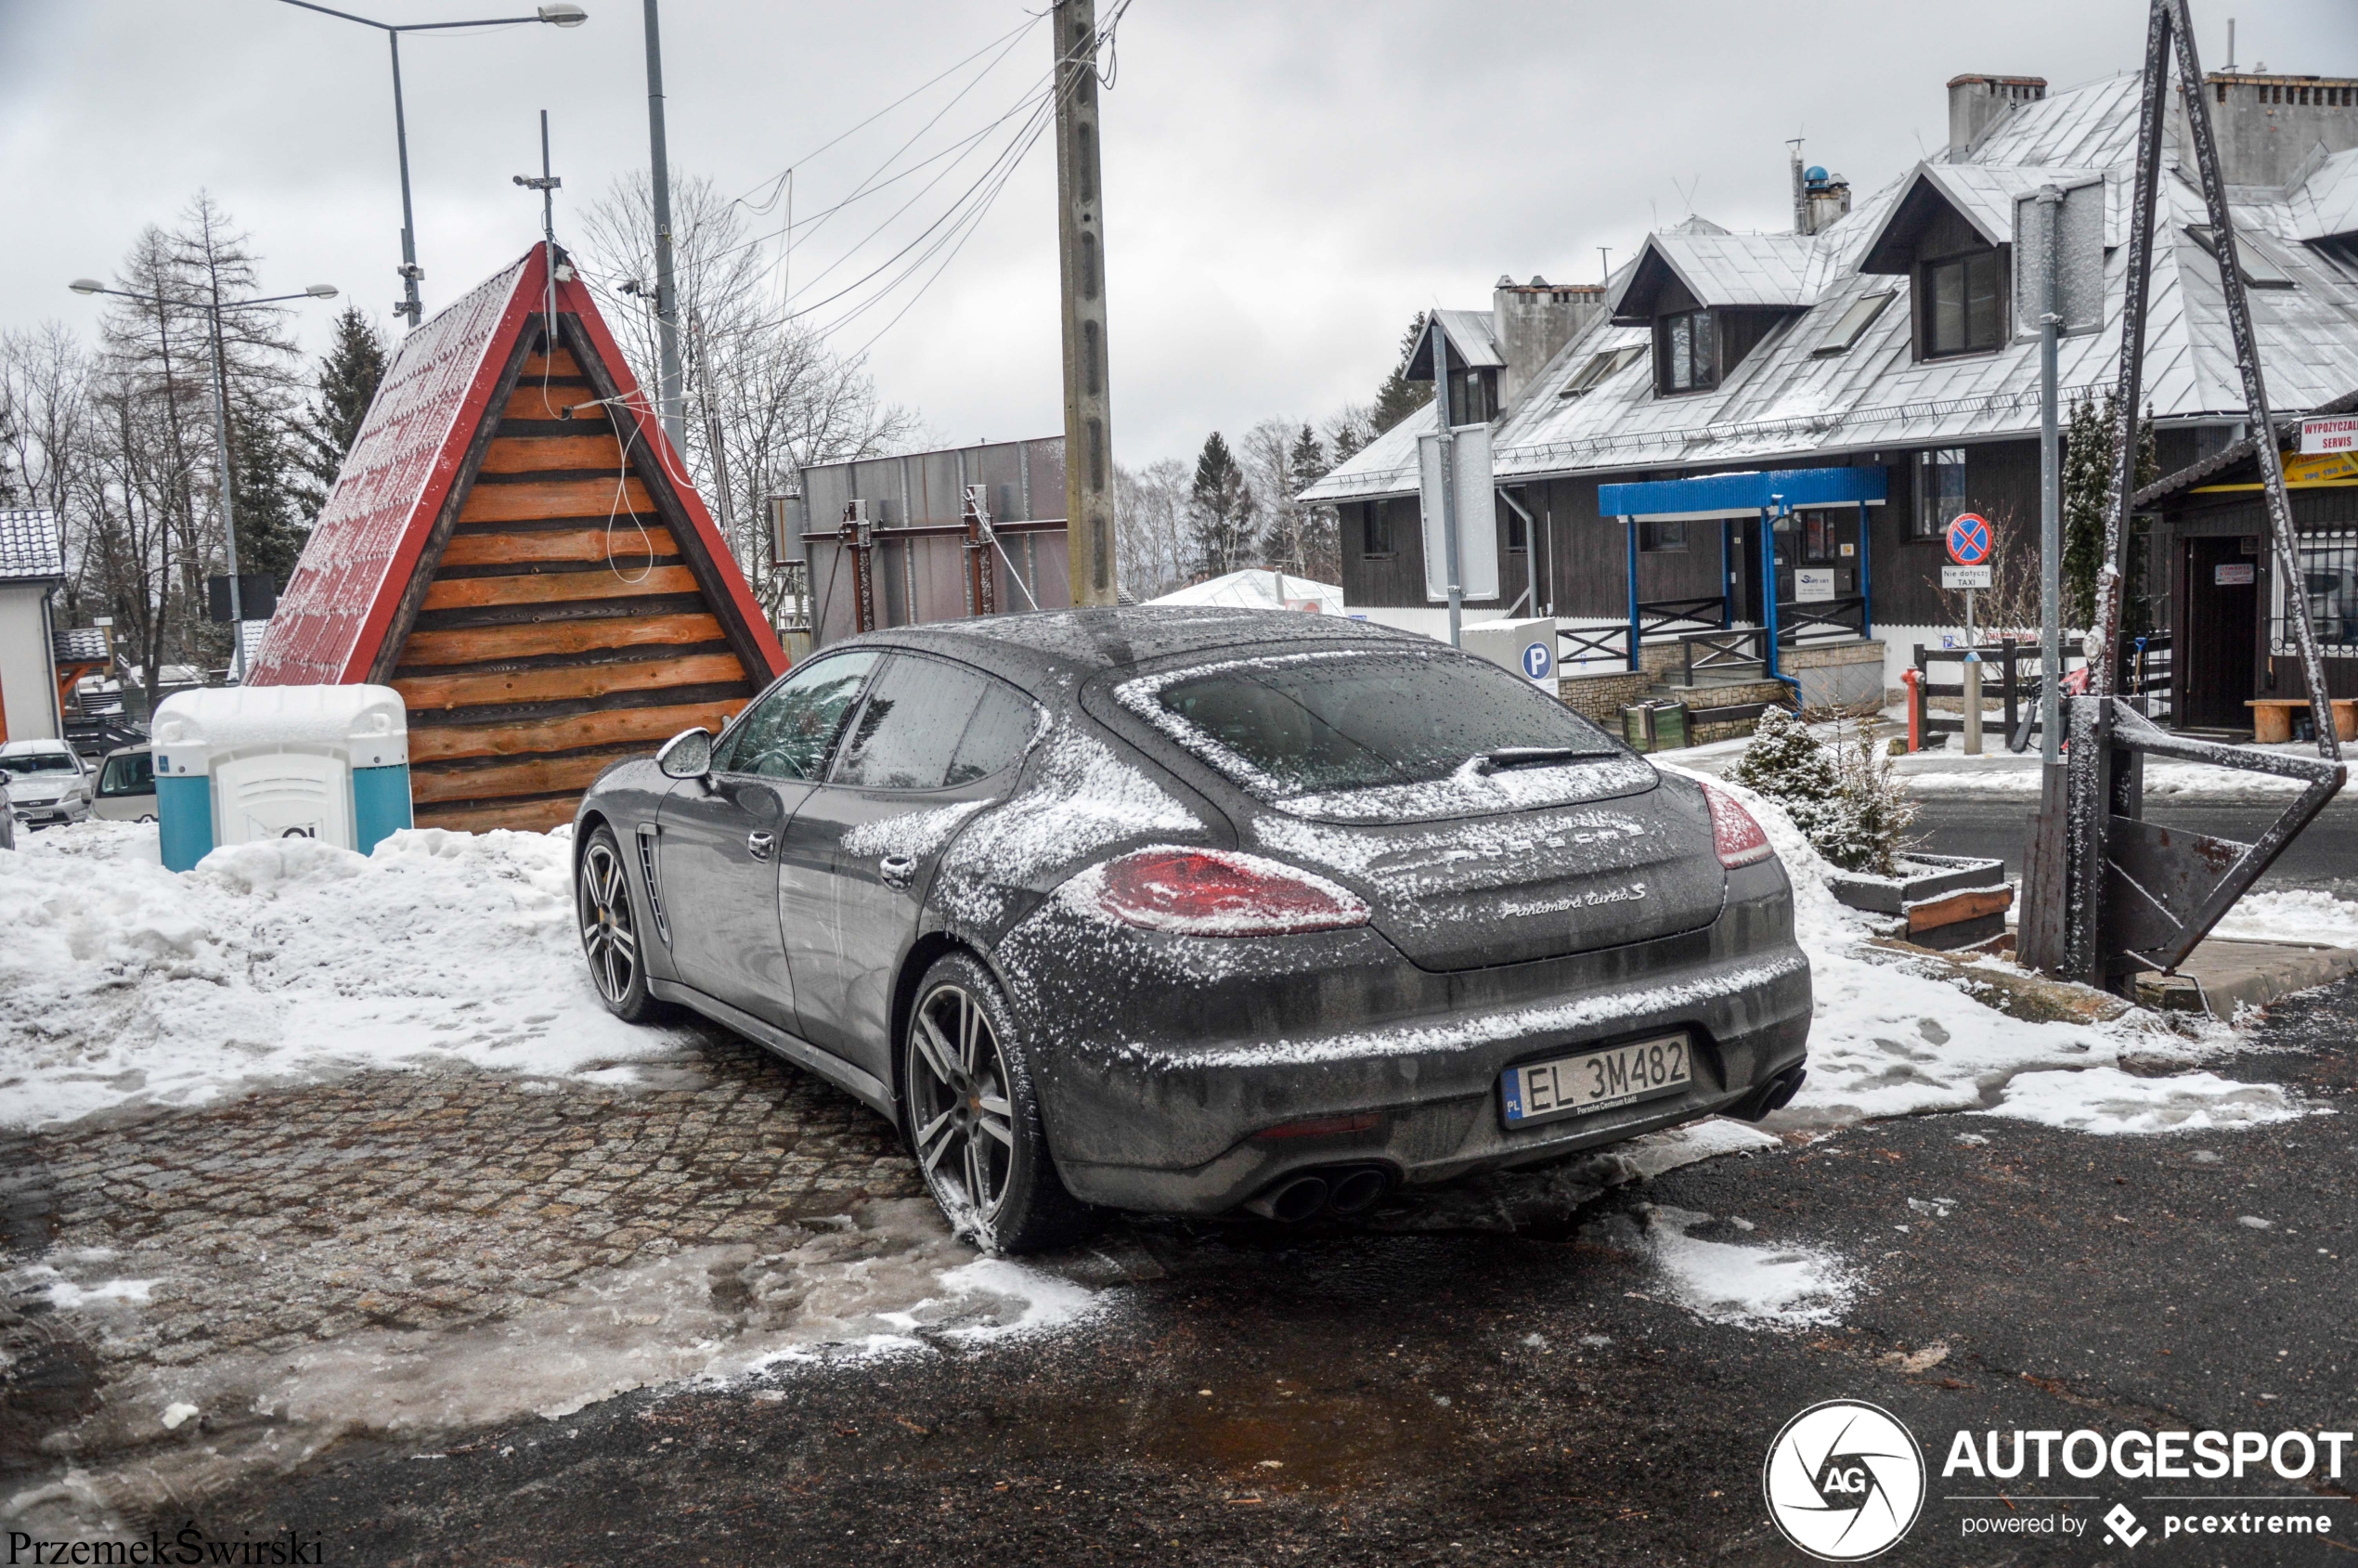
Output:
[[2086, 481], [1399, 396], [1221, 504], [349, 373]]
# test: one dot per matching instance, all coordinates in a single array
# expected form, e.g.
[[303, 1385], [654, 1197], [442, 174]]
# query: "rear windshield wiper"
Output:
[[1529, 756]]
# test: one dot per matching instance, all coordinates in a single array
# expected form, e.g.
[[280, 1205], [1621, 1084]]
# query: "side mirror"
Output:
[[687, 754]]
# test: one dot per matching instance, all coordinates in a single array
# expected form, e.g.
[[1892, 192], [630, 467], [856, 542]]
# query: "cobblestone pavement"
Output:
[[387, 1206]]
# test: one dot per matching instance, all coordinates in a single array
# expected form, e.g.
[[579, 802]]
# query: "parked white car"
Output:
[[47, 783], [126, 785]]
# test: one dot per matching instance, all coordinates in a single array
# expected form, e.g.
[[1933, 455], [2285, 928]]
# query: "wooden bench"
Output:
[[2272, 718]]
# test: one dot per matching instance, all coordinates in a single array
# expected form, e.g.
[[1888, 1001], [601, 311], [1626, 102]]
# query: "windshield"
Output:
[[1315, 724], [23, 762], [134, 773]]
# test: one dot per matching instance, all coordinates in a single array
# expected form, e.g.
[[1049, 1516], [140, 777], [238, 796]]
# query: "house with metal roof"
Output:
[[1878, 335], [32, 566]]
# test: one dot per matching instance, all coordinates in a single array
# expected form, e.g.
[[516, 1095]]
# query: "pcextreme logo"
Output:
[[1845, 1481]]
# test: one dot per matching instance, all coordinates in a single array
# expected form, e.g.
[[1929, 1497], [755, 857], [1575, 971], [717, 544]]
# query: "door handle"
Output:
[[898, 871], [759, 843]]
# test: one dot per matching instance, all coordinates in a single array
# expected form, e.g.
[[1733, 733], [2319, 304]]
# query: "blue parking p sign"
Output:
[[1538, 661]]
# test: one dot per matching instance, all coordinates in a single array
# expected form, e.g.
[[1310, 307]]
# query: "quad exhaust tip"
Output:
[[1290, 1202], [1773, 1095], [1343, 1192]]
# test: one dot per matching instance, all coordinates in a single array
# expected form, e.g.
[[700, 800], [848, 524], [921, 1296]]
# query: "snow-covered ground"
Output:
[[1889, 1040], [121, 982]]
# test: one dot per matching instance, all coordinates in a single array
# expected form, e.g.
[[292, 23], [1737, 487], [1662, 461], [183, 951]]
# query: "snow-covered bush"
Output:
[[1845, 797]]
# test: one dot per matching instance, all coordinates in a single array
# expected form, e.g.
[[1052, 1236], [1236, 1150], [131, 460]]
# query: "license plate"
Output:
[[1596, 1080]]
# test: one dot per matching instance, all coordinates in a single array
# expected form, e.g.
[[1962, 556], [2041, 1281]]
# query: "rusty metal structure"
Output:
[[2106, 894]]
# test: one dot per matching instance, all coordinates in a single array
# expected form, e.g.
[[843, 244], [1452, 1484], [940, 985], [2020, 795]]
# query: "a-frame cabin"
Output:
[[513, 546]]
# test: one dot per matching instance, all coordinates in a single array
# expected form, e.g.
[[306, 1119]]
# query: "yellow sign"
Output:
[[2304, 473]]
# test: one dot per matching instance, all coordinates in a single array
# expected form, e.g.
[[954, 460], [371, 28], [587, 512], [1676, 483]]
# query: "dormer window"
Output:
[[1473, 395], [1686, 352], [1964, 308]]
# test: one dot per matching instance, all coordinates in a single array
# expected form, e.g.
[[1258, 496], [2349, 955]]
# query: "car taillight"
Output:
[[1222, 893], [1734, 836]]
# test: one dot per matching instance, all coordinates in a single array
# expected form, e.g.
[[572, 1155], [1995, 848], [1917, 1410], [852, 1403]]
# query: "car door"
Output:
[[718, 835], [934, 741]]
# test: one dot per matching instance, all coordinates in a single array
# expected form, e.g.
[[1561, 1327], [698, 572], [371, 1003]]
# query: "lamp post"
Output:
[[213, 309], [559, 15]]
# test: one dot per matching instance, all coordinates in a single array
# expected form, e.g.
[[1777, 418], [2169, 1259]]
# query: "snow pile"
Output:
[[2104, 1100], [1887, 1041], [2299, 915], [1745, 1287], [285, 960]]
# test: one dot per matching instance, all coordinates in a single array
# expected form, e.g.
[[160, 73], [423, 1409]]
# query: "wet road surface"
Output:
[[1496, 1391]]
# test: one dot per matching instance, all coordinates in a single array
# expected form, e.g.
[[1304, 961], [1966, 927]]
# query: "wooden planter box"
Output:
[[1937, 901]]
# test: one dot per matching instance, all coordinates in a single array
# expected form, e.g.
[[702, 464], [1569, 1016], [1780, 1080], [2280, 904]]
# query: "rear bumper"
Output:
[[1215, 1043]]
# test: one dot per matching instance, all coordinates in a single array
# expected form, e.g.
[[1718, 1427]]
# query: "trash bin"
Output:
[[237, 763]]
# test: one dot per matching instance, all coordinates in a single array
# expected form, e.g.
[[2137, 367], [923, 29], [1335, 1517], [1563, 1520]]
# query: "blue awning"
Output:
[[1744, 495]]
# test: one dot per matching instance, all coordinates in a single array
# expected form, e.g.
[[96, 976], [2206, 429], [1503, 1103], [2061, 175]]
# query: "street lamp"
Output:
[[559, 15], [213, 309]]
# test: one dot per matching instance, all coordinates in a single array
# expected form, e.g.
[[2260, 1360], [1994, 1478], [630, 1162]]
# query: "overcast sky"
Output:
[[1286, 184]]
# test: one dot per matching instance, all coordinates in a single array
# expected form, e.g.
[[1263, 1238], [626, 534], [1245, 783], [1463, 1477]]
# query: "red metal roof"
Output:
[[366, 550]]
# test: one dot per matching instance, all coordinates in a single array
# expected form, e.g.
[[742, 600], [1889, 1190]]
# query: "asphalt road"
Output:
[[1499, 1391], [2324, 856]]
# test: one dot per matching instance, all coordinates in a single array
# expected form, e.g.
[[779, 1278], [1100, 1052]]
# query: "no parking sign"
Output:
[[1969, 540]]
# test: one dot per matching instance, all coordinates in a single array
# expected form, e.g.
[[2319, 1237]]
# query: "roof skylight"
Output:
[[1854, 323], [1602, 368]]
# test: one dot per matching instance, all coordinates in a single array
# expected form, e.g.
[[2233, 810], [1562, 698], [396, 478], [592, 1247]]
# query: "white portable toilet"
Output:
[[237, 763], [1527, 647]]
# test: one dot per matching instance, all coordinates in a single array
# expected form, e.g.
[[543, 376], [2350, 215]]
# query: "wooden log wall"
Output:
[[562, 630]]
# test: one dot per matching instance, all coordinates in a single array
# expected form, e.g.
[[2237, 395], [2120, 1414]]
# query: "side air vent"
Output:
[[654, 885]]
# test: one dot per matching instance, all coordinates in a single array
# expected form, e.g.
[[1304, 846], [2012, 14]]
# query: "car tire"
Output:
[[610, 931], [972, 1117]]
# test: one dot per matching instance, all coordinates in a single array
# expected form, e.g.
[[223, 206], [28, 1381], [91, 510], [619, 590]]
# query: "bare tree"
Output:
[[763, 396], [1150, 523]]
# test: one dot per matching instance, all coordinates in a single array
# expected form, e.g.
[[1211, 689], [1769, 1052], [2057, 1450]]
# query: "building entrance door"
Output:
[[2216, 661]]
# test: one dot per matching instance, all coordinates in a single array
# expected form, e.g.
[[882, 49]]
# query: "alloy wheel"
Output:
[[606, 934], [960, 1110]]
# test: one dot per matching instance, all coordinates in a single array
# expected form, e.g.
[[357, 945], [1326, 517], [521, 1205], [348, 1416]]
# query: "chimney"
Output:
[[1533, 321], [2268, 125], [1818, 198], [1976, 102]]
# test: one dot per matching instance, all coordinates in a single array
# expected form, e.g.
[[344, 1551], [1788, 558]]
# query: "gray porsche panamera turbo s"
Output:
[[1194, 910]]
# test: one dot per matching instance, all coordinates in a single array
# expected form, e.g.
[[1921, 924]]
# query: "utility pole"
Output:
[[1456, 582], [1080, 271], [411, 307], [666, 296], [229, 514], [2050, 506]]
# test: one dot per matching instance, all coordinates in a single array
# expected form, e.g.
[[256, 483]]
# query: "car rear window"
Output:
[[1306, 730]]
